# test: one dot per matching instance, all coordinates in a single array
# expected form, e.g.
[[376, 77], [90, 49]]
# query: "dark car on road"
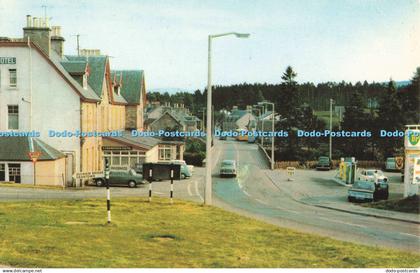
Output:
[[324, 163], [367, 191], [128, 178]]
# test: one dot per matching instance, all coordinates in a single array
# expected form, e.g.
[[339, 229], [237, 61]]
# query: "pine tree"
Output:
[[390, 118]]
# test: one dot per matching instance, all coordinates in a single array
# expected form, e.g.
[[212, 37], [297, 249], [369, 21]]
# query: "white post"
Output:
[[208, 187]]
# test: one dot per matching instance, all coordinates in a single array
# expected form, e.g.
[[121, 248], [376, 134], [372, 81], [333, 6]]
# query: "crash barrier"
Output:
[[335, 164], [290, 173]]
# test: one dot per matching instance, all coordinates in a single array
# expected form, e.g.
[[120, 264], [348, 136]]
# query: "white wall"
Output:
[[55, 105], [26, 171]]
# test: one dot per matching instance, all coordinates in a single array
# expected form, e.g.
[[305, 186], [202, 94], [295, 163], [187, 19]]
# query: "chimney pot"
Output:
[[28, 21]]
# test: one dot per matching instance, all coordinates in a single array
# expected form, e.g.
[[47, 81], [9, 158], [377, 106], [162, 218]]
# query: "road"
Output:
[[253, 193], [266, 195]]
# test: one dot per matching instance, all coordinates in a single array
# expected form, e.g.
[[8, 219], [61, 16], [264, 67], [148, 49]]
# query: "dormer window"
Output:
[[117, 89]]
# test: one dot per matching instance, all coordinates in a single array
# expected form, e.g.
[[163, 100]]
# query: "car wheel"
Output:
[[100, 183], [350, 199], [132, 184]]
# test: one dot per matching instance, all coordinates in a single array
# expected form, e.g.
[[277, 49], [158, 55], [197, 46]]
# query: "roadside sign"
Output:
[[117, 148], [290, 173], [412, 139], [399, 162], [87, 175], [34, 156]]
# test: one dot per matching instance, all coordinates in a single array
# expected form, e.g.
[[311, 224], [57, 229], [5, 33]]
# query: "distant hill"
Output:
[[402, 83]]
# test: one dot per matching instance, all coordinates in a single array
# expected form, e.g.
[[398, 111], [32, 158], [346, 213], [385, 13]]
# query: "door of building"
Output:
[[69, 169]]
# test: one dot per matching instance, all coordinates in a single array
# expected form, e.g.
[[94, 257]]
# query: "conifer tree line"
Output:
[[367, 106]]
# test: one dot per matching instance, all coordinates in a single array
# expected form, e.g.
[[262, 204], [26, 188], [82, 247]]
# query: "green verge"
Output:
[[158, 234]]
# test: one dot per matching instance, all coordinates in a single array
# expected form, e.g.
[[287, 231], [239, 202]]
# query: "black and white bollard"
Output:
[[150, 184], [108, 193], [172, 183]]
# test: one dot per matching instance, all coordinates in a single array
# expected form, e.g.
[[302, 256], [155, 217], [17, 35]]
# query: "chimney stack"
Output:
[[90, 52], [57, 41], [39, 32]]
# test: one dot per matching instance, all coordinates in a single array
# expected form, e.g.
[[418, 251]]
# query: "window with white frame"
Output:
[[13, 117], [165, 152], [12, 78], [125, 158]]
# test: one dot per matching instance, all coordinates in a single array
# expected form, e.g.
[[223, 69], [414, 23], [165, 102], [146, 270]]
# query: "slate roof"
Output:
[[132, 84], [17, 149], [74, 67], [97, 65], [236, 114], [143, 142], [87, 93], [265, 115], [179, 114], [118, 98]]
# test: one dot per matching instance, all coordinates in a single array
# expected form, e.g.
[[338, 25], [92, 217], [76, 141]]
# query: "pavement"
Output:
[[317, 188]]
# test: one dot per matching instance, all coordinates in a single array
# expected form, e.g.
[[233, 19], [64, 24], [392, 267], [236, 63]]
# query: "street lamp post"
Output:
[[331, 104], [272, 129], [208, 185]]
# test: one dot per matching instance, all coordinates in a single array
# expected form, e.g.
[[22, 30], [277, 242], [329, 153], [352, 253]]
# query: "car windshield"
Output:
[[364, 185], [227, 163]]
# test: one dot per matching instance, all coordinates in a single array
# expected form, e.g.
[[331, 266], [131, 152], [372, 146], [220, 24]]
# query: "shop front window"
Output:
[[14, 172]]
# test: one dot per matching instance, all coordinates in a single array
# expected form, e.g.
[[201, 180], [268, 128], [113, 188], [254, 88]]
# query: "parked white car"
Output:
[[372, 175], [182, 162]]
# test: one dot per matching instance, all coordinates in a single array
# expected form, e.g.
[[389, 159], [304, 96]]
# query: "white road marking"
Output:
[[158, 192], [189, 189], [246, 193], [409, 234], [260, 201], [288, 210], [196, 190], [341, 222]]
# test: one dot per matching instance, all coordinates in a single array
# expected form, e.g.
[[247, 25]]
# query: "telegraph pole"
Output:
[[331, 103]]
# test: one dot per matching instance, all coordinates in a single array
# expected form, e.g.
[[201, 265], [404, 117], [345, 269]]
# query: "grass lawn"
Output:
[[75, 234], [325, 116]]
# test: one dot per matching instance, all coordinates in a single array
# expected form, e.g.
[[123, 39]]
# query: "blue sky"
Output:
[[322, 40]]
